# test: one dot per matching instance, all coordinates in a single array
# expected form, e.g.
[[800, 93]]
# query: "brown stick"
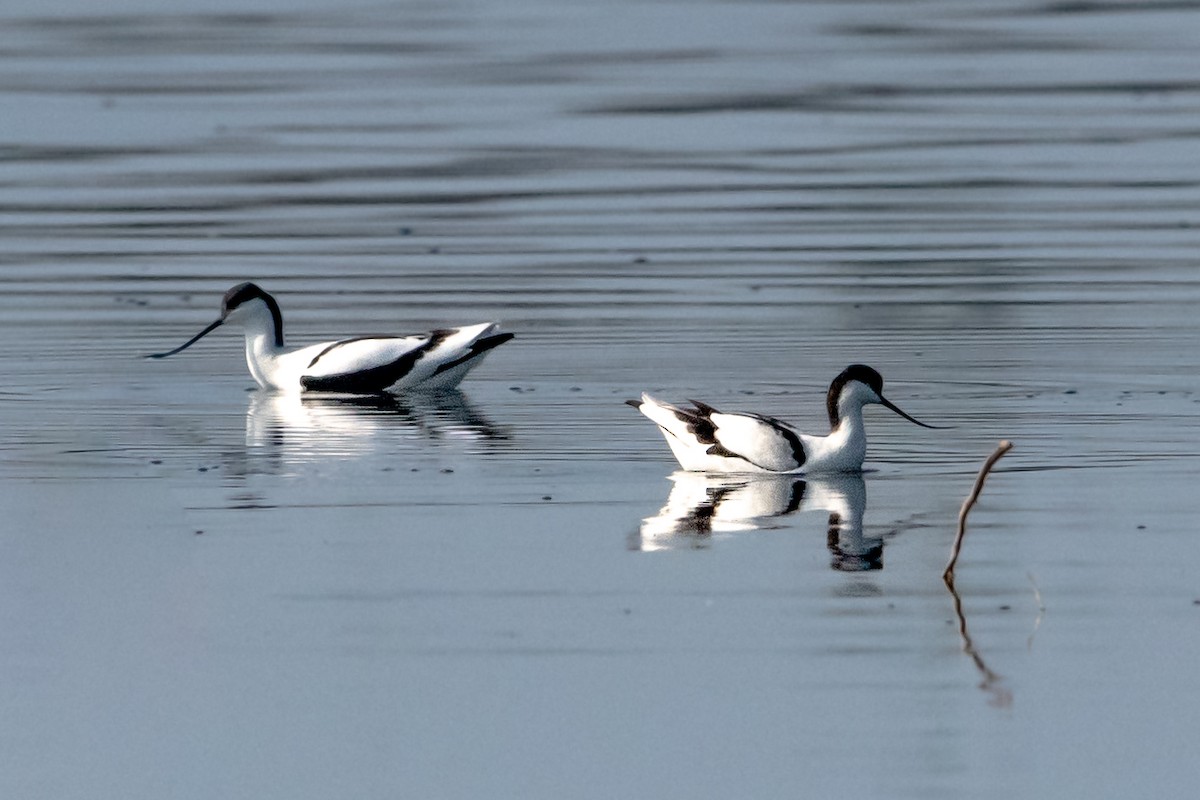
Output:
[[968, 504]]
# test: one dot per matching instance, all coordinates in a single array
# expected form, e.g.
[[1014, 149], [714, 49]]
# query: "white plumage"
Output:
[[434, 361], [704, 439]]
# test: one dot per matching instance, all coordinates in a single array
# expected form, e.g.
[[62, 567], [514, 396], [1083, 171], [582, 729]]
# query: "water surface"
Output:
[[210, 591]]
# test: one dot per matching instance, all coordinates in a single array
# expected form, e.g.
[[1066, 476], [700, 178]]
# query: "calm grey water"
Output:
[[207, 591]]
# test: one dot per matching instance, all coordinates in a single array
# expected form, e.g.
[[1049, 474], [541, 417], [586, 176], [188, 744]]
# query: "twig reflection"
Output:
[[999, 695]]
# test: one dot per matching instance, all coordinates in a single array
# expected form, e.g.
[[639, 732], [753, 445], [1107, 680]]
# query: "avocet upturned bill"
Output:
[[704, 439], [434, 361]]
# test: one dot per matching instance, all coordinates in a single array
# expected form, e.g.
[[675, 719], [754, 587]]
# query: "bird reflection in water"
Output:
[[308, 427], [702, 505]]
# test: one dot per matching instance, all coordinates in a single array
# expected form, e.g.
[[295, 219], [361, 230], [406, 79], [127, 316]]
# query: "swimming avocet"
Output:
[[433, 361], [705, 439]]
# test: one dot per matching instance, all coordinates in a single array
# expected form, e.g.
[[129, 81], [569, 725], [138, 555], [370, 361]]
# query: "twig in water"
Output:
[[968, 504]]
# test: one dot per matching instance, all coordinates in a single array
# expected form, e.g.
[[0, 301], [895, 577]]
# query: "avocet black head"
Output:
[[856, 386], [238, 302]]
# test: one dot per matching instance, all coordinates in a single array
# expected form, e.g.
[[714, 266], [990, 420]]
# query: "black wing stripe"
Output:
[[699, 422], [789, 435], [700, 425], [338, 344], [724, 452], [478, 348], [375, 379]]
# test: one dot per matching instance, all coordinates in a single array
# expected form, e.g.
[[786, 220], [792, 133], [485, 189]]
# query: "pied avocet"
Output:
[[704, 439], [433, 361]]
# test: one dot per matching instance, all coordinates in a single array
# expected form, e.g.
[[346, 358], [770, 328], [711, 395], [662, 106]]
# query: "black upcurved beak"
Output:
[[888, 404], [190, 341]]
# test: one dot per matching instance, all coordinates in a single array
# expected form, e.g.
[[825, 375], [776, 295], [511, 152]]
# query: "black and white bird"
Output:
[[431, 362], [704, 439]]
